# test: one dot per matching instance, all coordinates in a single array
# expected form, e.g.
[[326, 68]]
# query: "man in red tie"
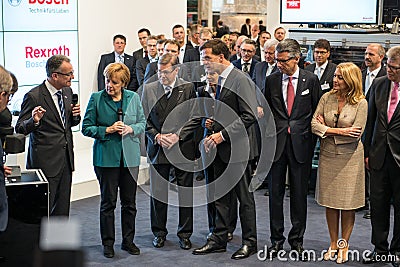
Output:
[[382, 158], [292, 95]]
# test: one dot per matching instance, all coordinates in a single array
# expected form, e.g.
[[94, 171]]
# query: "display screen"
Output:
[[329, 12]]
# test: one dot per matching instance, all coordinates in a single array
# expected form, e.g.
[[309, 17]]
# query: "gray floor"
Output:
[[316, 237]]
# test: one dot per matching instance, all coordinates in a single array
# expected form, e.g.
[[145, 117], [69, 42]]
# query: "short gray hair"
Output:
[[289, 45], [269, 43], [393, 52]]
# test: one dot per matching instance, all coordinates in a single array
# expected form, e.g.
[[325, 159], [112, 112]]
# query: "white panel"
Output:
[[40, 15]]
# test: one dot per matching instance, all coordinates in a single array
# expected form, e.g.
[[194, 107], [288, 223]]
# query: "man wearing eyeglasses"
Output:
[[322, 67], [167, 108], [382, 158], [246, 63], [292, 95], [47, 114]]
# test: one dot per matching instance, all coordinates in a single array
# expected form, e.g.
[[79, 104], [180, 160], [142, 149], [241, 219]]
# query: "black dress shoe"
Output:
[[274, 249], [244, 252], [209, 247], [230, 237], [373, 257], [185, 243], [300, 252], [367, 215], [158, 241], [108, 251], [131, 248]]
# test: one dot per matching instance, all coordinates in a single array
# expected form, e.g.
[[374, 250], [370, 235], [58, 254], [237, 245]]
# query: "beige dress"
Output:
[[341, 181]]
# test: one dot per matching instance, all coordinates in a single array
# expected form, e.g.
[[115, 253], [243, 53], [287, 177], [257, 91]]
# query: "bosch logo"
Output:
[[14, 2], [48, 2]]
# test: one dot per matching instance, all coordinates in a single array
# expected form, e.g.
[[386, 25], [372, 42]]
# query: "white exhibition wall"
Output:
[[98, 22]]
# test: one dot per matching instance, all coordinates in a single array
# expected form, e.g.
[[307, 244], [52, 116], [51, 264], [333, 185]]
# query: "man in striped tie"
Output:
[[47, 114]]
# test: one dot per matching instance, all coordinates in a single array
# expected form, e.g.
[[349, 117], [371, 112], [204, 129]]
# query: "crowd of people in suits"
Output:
[[182, 91]]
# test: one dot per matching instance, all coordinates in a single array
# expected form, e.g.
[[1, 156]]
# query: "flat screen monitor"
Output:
[[329, 12]]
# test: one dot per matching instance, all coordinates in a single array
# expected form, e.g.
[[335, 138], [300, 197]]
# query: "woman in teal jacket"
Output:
[[114, 118]]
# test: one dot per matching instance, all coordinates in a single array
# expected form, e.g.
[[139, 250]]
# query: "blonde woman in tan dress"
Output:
[[339, 120]]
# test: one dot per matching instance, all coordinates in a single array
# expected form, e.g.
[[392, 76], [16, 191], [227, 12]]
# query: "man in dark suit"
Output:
[[246, 28], [151, 56], [322, 67], [6, 84], [382, 158], [264, 36], [118, 55], [221, 29], [143, 34], [267, 67], [246, 63], [292, 95], [186, 52], [47, 114], [261, 26], [164, 123], [230, 164], [373, 56]]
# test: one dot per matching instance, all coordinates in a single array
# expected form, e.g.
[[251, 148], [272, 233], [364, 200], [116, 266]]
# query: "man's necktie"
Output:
[[368, 79], [61, 105], [121, 58], [290, 96], [394, 97], [319, 70], [246, 67], [218, 90], [168, 91]]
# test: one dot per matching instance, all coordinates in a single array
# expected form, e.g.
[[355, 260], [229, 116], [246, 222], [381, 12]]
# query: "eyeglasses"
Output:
[[69, 74], [247, 51], [393, 68], [165, 72], [321, 52], [284, 60]]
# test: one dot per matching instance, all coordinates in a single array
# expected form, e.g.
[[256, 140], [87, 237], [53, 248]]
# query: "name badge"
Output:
[[325, 86]]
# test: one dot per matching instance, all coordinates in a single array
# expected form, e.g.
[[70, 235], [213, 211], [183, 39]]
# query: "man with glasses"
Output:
[[246, 63], [292, 95], [382, 158], [166, 116], [47, 114], [118, 55], [322, 67]]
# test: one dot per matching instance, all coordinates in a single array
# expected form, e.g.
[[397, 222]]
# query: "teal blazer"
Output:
[[108, 149]]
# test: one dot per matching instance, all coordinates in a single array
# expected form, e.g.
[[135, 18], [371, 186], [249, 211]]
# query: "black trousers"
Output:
[[224, 206], [111, 179], [60, 192], [298, 179], [211, 211], [385, 187], [159, 176]]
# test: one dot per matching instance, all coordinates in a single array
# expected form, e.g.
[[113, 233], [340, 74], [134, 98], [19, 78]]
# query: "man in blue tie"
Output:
[[47, 114]]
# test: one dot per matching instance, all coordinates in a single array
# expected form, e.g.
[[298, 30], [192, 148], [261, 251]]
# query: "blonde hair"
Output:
[[118, 70], [352, 77], [6, 81]]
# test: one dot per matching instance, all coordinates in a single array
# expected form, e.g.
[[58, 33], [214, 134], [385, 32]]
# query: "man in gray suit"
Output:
[[47, 114]]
